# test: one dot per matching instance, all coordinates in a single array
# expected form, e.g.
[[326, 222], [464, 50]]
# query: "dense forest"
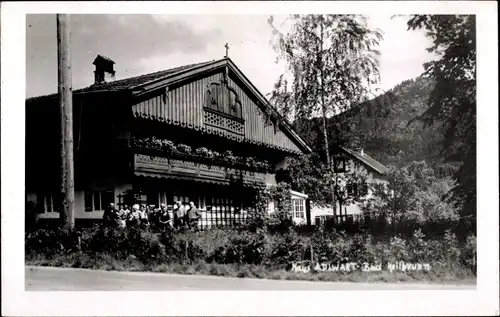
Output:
[[387, 127]]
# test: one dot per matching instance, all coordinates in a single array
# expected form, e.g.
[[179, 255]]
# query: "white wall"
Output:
[[355, 208], [80, 212], [270, 179], [293, 195]]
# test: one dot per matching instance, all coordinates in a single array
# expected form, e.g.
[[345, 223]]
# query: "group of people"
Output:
[[145, 216]]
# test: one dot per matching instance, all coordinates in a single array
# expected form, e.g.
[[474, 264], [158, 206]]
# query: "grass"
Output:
[[104, 261], [221, 253]]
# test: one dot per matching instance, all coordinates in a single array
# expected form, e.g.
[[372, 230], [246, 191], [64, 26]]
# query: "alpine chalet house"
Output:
[[199, 132], [353, 160]]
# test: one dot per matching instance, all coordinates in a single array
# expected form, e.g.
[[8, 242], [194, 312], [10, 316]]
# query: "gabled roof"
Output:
[[131, 82], [367, 160], [141, 84]]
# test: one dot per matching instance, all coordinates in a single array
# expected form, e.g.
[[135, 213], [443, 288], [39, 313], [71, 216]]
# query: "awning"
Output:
[[224, 182]]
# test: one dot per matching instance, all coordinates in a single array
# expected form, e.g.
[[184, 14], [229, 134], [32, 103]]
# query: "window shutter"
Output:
[[97, 200], [88, 201]]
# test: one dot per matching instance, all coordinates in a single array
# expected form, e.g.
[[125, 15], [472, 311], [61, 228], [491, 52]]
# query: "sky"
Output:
[[141, 44]]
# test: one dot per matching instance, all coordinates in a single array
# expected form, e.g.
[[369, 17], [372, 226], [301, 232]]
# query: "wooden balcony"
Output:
[[162, 167]]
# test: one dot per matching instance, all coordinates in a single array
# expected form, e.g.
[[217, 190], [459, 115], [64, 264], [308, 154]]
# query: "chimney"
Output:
[[104, 71], [360, 150]]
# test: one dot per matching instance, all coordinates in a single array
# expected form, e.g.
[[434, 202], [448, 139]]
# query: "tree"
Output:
[[309, 174], [453, 99], [333, 62], [413, 195], [350, 183]]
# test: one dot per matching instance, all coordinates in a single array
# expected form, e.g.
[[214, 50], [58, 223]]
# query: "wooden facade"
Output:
[[233, 138], [186, 105], [161, 167]]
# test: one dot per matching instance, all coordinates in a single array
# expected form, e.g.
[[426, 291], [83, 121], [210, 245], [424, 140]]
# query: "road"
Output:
[[65, 279]]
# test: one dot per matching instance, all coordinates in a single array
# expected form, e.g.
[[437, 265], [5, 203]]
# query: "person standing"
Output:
[[153, 216], [110, 216], [143, 216], [164, 218], [193, 216], [123, 216], [179, 213], [134, 217]]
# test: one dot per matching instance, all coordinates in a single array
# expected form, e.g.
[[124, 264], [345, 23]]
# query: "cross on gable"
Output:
[[227, 50]]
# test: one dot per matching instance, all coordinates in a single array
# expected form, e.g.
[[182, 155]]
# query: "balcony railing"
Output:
[[202, 155]]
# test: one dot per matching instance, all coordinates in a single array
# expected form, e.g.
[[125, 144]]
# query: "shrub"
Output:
[[419, 247], [168, 239], [194, 250], [398, 249], [450, 247], [361, 250], [279, 221], [331, 247], [245, 247], [146, 246], [469, 253], [256, 221], [136, 249], [285, 249], [51, 241], [107, 239]]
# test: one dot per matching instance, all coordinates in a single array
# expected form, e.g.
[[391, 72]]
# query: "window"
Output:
[[357, 189], [223, 99], [152, 198], [182, 199], [162, 198], [97, 200], [317, 220], [339, 165], [363, 189], [351, 189], [48, 202], [298, 208]]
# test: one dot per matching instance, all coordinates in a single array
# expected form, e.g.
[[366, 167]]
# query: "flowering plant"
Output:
[[183, 148], [216, 155], [262, 165], [156, 143], [138, 142], [250, 162], [169, 145], [204, 152], [229, 157]]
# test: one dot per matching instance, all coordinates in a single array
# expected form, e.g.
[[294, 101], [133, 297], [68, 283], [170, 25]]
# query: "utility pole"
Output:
[[66, 112]]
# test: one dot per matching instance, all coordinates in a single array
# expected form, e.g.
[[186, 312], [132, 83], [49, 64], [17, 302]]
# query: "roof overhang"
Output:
[[263, 103], [78, 93], [380, 170], [298, 194], [192, 72]]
